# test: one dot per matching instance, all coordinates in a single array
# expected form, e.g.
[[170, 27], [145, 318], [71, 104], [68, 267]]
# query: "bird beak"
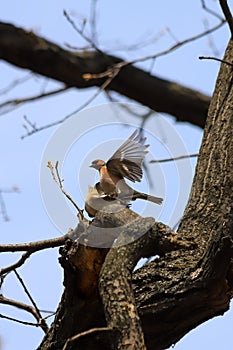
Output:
[[91, 166]]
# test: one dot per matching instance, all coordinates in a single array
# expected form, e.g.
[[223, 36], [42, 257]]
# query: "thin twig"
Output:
[[58, 181], [80, 335], [122, 64], [227, 14], [26, 323], [173, 159], [24, 307], [207, 9], [3, 208], [30, 248], [114, 71], [15, 83], [51, 314], [93, 17], [39, 317], [84, 105], [81, 32], [215, 59], [14, 103], [14, 266], [58, 175]]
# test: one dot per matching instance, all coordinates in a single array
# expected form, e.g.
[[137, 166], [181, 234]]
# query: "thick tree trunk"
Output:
[[27, 50], [185, 289], [181, 289]]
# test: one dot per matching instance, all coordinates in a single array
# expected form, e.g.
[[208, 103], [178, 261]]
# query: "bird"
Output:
[[96, 200], [125, 163]]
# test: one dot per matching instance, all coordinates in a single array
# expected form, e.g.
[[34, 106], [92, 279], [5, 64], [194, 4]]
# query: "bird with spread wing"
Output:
[[125, 163]]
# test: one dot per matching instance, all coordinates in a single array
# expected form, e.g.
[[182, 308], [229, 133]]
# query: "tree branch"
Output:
[[194, 155], [27, 50], [40, 322], [227, 14], [34, 246], [116, 276], [9, 105]]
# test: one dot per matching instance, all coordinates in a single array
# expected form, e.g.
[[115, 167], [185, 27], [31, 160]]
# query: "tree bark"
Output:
[[186, 289], [182, 288], [29, 51]]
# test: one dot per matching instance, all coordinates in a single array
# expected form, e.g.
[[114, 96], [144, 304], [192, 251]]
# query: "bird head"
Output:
[[97, 164]]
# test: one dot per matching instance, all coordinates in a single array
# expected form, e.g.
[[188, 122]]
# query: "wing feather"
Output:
[[127, 160]]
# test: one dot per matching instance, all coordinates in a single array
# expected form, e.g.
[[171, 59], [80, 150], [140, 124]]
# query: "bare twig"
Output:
[[207, 9], [3, 208], [34, 246], [24, 307], [85, 104], [93, 17], [210, 39], [81, 32], [113, 71], [142, 42], [57, 179], [9, 105], [26, 323], [85, 333], [51, 313], [39, 317], [30, 248], [58, 176], [227, 14], [175, 158], [15, 83], [120, 65], [14, 266], [215, 59]]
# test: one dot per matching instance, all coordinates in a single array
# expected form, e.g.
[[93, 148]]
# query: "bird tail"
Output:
[[140, 195], [147, 197]]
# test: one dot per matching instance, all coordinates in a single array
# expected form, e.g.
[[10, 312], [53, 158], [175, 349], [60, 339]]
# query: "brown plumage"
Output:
[[126, 162]]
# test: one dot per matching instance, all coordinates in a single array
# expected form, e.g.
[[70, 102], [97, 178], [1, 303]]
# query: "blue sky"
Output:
[[32, 218]]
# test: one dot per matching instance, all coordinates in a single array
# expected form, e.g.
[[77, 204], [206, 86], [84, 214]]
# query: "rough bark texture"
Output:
[[27, 50], [80, 309], [182, 288]]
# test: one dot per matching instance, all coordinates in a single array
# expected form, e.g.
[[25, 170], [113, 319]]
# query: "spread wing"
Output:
[[127, 160]]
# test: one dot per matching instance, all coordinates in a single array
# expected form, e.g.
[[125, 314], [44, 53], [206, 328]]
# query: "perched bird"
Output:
[[126, 162], [97, 200]]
